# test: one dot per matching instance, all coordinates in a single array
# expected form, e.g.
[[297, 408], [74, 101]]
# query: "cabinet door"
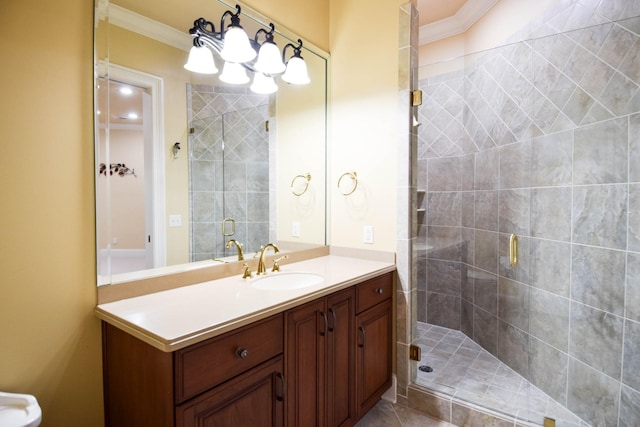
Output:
[[138, 381], [306, 331], [373, 360], [341, 359], [255, 398]]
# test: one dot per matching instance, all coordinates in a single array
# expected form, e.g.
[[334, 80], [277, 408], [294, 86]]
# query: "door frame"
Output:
[[154, 195]]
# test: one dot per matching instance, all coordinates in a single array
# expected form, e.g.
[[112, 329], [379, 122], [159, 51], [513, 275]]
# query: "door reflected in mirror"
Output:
[[184, 162]]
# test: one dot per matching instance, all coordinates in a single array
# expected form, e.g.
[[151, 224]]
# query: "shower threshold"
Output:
[[453, 364]]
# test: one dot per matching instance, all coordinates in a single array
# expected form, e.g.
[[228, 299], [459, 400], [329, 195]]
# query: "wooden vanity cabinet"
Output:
[[338, 355], [246, 400], [234, 379], [319, 357], [324, 363], [374, 340]]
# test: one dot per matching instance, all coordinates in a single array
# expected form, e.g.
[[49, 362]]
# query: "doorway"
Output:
[[131, 180]]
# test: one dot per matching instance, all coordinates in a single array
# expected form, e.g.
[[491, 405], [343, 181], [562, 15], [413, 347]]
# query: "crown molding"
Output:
[[142, 25], [468, 15]]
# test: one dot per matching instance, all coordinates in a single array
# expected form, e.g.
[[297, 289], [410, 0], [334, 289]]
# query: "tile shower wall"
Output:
[[229, 180], [541, 138]]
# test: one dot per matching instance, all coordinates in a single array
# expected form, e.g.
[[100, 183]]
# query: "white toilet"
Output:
[[19, 410]]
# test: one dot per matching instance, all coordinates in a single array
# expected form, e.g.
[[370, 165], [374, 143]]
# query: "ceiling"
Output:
[[440, 19], [436, 10]]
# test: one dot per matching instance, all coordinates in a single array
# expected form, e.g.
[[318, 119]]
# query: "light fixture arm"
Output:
[[235, 18], [205, 34], [296, 50], [268, 35]]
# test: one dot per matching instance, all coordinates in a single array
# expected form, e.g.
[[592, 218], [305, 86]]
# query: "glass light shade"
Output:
[[296, 72], [201, 61], [234, 74], [269, 60], [236, 46], [263, 84]]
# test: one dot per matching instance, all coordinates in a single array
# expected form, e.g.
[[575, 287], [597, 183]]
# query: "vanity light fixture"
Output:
[[239, 53]]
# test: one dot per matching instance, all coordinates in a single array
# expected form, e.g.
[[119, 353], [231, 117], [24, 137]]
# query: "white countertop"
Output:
[[173, 319]]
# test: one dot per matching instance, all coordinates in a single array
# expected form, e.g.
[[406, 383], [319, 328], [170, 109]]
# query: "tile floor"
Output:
[[464, 370], [386, 414]]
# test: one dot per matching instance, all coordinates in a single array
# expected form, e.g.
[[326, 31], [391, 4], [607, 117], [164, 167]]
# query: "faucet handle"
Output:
[[276, 266], [247, 271]]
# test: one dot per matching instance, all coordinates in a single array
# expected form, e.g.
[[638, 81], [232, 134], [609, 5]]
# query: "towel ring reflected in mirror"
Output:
[[354, 179], [298, 181]]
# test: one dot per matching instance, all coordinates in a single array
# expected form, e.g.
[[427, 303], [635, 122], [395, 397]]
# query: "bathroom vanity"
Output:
[[316, 356]]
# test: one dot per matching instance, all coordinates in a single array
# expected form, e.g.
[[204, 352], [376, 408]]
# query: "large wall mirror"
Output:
[[187, 165]]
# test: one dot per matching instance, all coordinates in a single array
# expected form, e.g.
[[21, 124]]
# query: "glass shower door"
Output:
[[229, 170], [476, 124], [536, 139]]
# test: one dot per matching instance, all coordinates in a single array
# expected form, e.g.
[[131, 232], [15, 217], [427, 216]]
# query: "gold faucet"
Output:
[[262, 269], [238, 247]]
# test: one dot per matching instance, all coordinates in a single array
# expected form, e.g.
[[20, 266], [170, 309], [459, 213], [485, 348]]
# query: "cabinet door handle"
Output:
[[323, 332], [378, 291], [283, 389], [361, 330], [333, 323], [242, 353]]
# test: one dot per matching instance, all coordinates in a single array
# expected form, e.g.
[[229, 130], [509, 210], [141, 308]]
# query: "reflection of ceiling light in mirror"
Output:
[[125, 90]]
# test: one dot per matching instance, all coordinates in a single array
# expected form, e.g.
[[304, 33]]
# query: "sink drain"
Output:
[[425, 368]]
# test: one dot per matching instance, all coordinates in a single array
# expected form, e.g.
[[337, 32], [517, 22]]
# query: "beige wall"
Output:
[[50, 339], [363, 117], [301, 151]]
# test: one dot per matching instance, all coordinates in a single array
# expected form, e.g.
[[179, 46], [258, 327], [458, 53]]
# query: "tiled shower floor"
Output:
[[464, 370]]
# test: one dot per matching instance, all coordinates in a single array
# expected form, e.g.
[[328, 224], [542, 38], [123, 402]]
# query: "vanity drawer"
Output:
[[205, 365], [373, 291]]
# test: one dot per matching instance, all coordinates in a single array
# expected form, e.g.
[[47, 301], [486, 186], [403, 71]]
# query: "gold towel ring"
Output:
[[307, 178], [354, 178]]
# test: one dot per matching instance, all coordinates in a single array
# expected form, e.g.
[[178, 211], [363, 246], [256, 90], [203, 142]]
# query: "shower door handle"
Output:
[[226, 232], [513, 250]]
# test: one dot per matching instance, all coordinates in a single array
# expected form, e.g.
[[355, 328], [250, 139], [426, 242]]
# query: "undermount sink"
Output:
[[287, 280]]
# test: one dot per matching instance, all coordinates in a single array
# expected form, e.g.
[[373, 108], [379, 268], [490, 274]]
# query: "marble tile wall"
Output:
[[229, 183], [541, 138]]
